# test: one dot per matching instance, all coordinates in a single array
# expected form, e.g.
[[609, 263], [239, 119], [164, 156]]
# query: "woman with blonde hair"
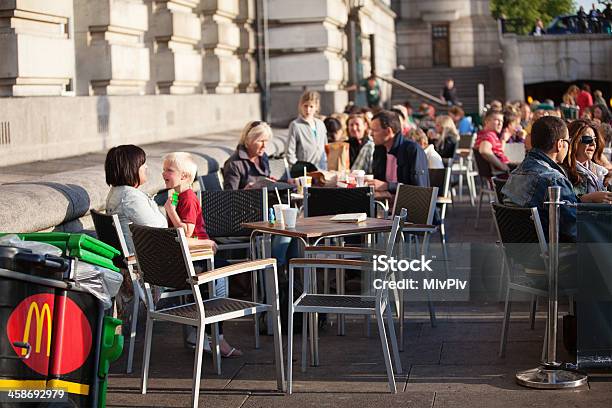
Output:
[[446, 136], [361, 145], [307, 134], [249, 162]]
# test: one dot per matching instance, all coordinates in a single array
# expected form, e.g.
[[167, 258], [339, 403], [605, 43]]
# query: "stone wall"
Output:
[[36, 47], [53, 127], [565, 57], [309, 46], [472, 32]]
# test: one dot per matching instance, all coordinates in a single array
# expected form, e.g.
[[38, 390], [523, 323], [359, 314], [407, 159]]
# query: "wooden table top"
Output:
[[317, 227]]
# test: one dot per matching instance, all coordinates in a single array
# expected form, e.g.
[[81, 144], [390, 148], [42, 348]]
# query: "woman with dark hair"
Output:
[[601, 113], [511, 129], [126, 170], [587, 176]]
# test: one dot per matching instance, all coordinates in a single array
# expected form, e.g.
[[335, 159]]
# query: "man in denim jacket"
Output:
[[528, 183]]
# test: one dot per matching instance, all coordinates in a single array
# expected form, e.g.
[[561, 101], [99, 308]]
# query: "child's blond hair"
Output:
[[310, 96], [184, 163]]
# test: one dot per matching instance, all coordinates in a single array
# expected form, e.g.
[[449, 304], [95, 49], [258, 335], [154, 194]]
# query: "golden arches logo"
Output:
[[40, 316]]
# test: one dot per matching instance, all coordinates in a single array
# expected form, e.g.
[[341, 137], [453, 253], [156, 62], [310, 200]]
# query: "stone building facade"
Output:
[[96, 73]]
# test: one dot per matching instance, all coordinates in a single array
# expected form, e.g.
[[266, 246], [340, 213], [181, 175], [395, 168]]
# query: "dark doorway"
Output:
[[440, 41]]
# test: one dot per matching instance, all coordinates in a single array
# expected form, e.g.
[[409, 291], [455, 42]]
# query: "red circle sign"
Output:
[[39, 318]]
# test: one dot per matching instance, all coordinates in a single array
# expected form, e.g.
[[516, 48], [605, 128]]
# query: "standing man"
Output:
[[372, 88], [405, 161]]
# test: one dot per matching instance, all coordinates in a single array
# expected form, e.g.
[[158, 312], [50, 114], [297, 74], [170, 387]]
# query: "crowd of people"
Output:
[[395, 146], [594, 22]]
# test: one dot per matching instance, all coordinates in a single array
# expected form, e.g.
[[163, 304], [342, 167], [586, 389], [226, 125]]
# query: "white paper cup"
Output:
[[290, 217], [357, 173], [278, 212], [369, 177], [360, 180], [304, 181]]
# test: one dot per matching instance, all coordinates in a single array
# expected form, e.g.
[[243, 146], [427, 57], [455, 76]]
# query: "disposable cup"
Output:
[[304, 181], [369, 177], [357, 173], [278, 212], [290, 216], [360, 179]]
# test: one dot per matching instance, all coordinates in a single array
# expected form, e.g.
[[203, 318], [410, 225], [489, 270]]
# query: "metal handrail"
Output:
[[410, 88]]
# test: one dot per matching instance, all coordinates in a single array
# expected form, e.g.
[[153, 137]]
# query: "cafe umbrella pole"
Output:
[[550, 375]]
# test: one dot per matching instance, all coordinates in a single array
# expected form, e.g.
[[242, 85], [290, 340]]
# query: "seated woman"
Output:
[[336, 149], [361, 145], [445, 136], [511, 129], [249, 162], [587, 176], [433, 157], [241, 170], [126, 170]]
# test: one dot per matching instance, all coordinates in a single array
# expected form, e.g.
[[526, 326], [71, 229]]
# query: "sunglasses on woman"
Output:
[[587, 140]]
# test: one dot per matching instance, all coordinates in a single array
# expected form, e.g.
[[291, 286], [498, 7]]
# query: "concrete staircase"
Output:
[[432, 80]]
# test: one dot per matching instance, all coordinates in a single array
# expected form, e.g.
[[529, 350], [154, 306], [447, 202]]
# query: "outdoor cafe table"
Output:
[[312, 230]]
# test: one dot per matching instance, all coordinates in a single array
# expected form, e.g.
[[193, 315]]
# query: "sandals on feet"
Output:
[[233, 353]]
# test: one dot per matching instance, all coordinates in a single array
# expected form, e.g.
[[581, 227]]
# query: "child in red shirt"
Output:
[[179, 170]]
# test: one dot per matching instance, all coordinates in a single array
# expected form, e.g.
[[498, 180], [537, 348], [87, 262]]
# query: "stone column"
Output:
[[173, 37], [220, 43], [513, 71], [36, 47], [307, 47], [248, 64], [110, 51]]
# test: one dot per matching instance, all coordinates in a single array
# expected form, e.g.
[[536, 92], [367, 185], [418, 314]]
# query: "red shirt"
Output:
[[584, 100], [491, 137], [189, 211]]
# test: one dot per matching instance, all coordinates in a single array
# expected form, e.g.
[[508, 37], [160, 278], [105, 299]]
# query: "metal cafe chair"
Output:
[[320, 201], [441, 178], [279, 169], [485, 174], [420, 202], [164, 260], [499, 183], [224, 212], [525, 254], [211, 181], [377, 305], [464, 165], [109, 231]]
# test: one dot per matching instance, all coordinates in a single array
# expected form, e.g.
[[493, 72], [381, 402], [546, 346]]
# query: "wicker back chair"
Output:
[[499, 183], [331, 201], [485, 173], [165, 260], [211, 181]]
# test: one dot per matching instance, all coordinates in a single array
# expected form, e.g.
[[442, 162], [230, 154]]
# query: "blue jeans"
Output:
[[284, 248]]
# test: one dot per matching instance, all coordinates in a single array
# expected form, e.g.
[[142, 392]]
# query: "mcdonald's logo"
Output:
[[41, 318]]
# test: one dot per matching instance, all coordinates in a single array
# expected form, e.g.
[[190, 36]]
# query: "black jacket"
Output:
[[238, 170]]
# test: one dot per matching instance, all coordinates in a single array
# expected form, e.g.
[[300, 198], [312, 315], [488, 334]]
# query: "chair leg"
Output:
[[545, 344], [394, 346], [471, 188], [290, 337], [385, 349], [135, 308], [215, 348], [532, 311], [505, 325], [254, 284], [272, 296], [478, 209], [147, 355], [305, 321], [197, 366]]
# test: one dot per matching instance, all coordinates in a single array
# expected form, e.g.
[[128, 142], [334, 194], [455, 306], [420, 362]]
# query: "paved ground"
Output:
[[452, 365]]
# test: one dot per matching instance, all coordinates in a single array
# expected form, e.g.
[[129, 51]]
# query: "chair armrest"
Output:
[[344, 250], [235, 269], [327, 262]]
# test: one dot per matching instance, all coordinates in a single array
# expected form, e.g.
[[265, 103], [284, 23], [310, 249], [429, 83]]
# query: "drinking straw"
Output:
[[304, 171], [289, 197], [278, 195]]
